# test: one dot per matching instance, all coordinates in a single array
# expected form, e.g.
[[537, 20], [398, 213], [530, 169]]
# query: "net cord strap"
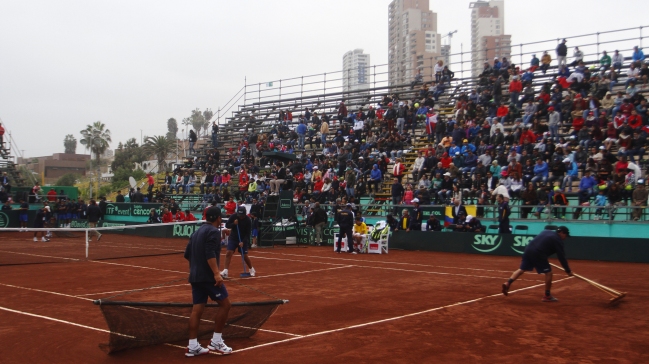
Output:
[[182, 304]]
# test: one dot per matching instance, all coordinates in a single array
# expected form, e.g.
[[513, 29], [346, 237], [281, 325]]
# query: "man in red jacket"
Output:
[[515, 88]]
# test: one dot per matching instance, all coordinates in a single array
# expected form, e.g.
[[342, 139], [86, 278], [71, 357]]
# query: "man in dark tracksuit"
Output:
[[203, 252], [239, 239], [417, 217], [346, 223], [503, 215], [536, 255]]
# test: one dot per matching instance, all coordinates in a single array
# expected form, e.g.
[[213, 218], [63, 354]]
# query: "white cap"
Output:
[[469, 218], [315, 167], [415, 200], [602, 147], [447, 174], [566, 160], [47, 208], [457, 153]]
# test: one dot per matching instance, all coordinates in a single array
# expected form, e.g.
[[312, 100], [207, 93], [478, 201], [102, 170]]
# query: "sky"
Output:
[[134, 64]]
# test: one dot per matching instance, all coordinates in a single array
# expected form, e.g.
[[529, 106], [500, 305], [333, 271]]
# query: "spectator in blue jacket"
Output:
[[572, 173], [540, 171], [375, 178], [587, 186], [638, 55], [301, 134]]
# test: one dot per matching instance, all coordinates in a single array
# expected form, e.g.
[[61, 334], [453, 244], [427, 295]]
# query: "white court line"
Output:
[[384, 262], [40, 256], [163, 313], [42, 291], [232, 279], [393, 318], [56, 320], [397, 269], [137, 266]]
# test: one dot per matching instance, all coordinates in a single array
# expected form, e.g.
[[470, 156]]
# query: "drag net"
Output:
[[66, 245], [136, 324]]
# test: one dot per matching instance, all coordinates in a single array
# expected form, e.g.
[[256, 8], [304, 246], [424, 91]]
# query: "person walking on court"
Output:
[[239, 239], [203, 253], [94, 214], [345, 221], [535, 256], [503, 215], [319, 221]]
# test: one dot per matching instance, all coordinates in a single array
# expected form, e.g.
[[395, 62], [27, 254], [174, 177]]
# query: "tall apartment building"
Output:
[[356, 70], [488, 38], [413, 40]]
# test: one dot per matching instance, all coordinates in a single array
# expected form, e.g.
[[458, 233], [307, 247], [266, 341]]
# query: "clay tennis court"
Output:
[[403, 307]]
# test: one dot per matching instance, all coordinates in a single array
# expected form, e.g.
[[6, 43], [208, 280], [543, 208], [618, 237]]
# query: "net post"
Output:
[[87, 244]]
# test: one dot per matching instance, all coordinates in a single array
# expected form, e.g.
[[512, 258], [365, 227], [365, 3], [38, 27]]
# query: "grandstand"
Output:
[[265, 110]]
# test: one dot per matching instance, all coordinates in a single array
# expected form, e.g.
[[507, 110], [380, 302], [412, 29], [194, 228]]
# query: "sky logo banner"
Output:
[[485, 243]]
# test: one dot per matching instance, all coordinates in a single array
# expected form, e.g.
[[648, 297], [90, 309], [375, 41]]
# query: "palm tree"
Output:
[[160, 147], [97, 139]]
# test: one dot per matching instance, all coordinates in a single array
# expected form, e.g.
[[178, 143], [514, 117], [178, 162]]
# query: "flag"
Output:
[[448, 214]]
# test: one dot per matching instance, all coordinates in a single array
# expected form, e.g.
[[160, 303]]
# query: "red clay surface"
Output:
[[404, 307]]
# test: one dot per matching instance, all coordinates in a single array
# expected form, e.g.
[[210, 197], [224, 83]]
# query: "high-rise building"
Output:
[[413, 41], [488, 38], [356, 70]]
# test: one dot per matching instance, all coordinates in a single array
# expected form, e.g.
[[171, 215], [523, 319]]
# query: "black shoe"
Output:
[[338, 251]]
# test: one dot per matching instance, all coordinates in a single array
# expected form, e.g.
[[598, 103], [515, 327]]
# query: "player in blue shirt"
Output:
[[536, 255], [203, 252]]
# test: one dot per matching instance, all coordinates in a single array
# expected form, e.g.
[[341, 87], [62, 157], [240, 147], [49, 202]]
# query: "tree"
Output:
[[160, 147], [172, 127], [96, 138], [70, 144], [127, 154], [199, 120], [67, 180]]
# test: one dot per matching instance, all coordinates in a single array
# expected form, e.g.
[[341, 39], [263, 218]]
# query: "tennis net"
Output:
[[67, 245]]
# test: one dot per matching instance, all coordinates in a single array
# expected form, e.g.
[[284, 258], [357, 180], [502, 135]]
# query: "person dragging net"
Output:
[[239, 239], [536, 254], [203, 252]]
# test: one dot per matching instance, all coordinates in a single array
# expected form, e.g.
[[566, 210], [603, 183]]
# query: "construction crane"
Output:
[[450, 36]]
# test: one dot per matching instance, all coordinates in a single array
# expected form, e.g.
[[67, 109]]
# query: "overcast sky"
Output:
[[134, 64]]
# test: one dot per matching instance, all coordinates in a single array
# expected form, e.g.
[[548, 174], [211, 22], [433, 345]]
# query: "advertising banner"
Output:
[[577, 247]]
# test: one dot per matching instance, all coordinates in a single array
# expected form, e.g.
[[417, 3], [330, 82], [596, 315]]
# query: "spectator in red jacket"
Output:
[[179, 216], [634, 120], [528, 135], [502, 111], [515, 88], [230, 206], [545, 97], [167, 217], [189, 216], [150, 181]]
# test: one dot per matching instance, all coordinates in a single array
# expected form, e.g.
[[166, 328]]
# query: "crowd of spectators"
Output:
[[580, 131]]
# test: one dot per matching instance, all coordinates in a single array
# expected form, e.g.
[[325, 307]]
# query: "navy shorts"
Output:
[[23, 218], [255, 233], [532, 261], [234, 245], [202, 290]]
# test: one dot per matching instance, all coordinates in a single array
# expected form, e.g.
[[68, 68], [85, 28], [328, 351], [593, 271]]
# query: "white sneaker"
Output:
[[220, 348], [224, 273], [199, 350], [252, 272], [45, 239], [35, 239]]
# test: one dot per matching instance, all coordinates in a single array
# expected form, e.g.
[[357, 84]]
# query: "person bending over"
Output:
[[536, 255]]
